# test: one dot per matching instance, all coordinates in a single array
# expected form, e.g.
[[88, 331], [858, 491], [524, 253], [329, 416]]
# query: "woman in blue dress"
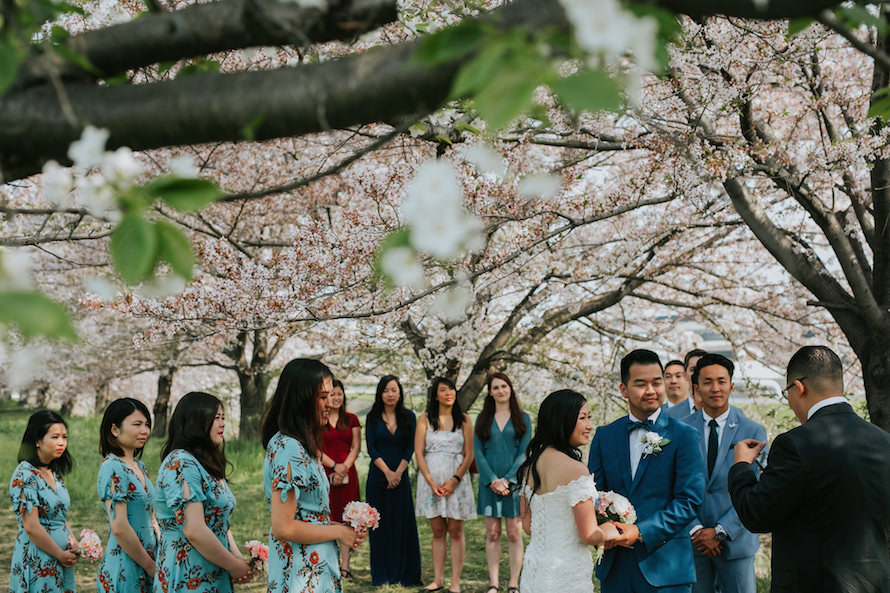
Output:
[[502, 433], [43, 556], [389, 434], [303, 556], [128, 565], [193, 503]]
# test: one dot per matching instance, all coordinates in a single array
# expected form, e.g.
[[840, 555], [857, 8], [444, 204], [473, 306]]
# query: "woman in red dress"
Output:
[[342, 443]]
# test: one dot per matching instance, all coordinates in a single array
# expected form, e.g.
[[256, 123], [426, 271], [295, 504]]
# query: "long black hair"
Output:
[[189, 429], [342, 419], [114, 415], [485, 417], [38, 426], [403, 420], [293, 410], [557, 418], [432, 405]]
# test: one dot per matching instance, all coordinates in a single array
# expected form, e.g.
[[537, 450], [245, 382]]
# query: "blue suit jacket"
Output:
[[717, 507], [666, 492], [678, 412]]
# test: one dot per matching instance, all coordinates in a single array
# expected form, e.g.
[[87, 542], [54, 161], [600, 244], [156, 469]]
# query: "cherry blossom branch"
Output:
[[827, 18]]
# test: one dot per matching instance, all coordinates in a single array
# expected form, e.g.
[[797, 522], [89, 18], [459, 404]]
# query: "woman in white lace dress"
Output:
[[443, 444], [558, 498]]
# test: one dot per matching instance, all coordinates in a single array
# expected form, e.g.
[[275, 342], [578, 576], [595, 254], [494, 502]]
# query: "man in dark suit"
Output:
[[724, 549], [825, 493], [655, 462]]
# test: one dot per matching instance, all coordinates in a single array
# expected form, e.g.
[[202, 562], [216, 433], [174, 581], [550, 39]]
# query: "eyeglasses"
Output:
[[790, 385]]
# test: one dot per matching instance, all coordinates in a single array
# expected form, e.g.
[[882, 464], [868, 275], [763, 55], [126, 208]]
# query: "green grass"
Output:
[[249, 521]]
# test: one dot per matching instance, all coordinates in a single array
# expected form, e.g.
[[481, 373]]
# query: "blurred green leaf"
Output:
[[35, 314], [199, 65], [479, 71], [398, 238], [796, 26], [187, 195], [451, 43], [508, 94], [589, 90], [10, 59], [134, 248], [75, 58], [854, 15], [175, 248]]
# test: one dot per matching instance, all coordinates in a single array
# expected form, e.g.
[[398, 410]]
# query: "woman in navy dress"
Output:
[[43, 556], [128, 565], [389, 435], [502, 433]]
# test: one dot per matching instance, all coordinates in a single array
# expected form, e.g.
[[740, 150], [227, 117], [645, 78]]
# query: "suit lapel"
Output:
[[723, 451], [623, 453], [661, 428]]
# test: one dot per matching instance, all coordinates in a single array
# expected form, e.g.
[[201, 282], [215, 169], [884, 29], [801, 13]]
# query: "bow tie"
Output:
[[633, 424]]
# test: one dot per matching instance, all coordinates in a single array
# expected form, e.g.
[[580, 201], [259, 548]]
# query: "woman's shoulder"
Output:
[[560, 469], [24, 471], [288, 446], [180, 460], [353, 420]]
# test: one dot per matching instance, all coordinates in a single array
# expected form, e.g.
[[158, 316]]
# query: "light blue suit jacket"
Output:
[[717, 507], [666, 492], [680, 411]]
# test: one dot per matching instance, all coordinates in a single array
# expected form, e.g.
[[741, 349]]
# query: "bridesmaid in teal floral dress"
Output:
[[193, 504], [303, 556], [42, 559], [125, 491]]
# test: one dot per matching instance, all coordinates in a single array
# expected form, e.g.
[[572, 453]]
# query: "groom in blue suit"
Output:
[[654, 461], [724, 549]]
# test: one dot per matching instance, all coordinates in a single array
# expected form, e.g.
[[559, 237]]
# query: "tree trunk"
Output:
[[162, 402], [875, 359], [254, 383], [103, 398]]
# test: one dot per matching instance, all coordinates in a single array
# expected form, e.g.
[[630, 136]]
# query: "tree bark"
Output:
[[162, 402]]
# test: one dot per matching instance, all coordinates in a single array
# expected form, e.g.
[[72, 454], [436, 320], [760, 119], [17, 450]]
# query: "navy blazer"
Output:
[[717, 506], [824, 495], [666, 492]]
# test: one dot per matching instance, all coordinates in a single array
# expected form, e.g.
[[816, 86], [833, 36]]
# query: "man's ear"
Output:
[[623, 389]]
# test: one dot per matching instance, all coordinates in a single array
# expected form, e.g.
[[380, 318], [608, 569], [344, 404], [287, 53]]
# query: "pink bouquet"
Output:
[[259, 554], [611, 506], [361, 515], [90, 545]]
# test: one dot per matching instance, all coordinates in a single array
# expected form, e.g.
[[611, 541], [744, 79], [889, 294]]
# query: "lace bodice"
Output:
[[556, 559]]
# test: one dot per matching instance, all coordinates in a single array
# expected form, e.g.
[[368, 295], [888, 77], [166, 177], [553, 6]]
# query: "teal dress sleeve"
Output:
[[520, 450]]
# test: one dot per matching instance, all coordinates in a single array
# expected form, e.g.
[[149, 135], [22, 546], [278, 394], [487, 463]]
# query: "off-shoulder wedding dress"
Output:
[[556, 560]]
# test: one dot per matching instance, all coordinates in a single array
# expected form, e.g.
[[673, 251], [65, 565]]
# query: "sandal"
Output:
[[512, 589], [346, 575], [492, 588]]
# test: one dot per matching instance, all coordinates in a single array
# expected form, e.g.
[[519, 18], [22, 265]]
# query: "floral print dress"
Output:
[[33, 570], [118, 573], [180, 566], [293, 567]]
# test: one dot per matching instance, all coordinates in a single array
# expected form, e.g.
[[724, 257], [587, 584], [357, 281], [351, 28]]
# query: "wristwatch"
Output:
[[722, 536]]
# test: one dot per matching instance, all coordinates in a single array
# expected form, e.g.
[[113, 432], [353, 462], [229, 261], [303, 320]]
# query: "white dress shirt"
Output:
[[828, 401], [635, 439]]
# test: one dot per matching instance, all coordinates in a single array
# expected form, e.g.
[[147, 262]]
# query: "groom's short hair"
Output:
[[638, 356], [820, 366]]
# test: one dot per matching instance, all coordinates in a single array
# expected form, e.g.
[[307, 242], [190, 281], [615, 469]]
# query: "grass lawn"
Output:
[[249, 521]]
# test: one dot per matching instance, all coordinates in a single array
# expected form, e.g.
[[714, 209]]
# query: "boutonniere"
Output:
[[733, 425], [653, 443]]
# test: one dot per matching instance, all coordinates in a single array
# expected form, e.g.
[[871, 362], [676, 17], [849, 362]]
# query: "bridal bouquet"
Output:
[[361, 515], [611, 506], [90, 545], [259, 554]]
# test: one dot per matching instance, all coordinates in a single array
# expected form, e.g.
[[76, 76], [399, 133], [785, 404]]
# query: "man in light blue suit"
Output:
[[663, 478], [678, 391], [724, 549]]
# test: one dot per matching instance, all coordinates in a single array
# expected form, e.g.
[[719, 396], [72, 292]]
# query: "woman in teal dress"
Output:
[[128, 565], [43, 556], [193, 503], [303, 556], [502, 433]]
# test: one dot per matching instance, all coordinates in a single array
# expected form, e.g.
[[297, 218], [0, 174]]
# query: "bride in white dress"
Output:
[[558, 498]]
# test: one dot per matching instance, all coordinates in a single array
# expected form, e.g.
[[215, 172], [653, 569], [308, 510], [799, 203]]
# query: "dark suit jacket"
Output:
[[825, 496], [666, 492]]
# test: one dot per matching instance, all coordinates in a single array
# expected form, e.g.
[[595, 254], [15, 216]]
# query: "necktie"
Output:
[[633, 425], [712, 446]]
